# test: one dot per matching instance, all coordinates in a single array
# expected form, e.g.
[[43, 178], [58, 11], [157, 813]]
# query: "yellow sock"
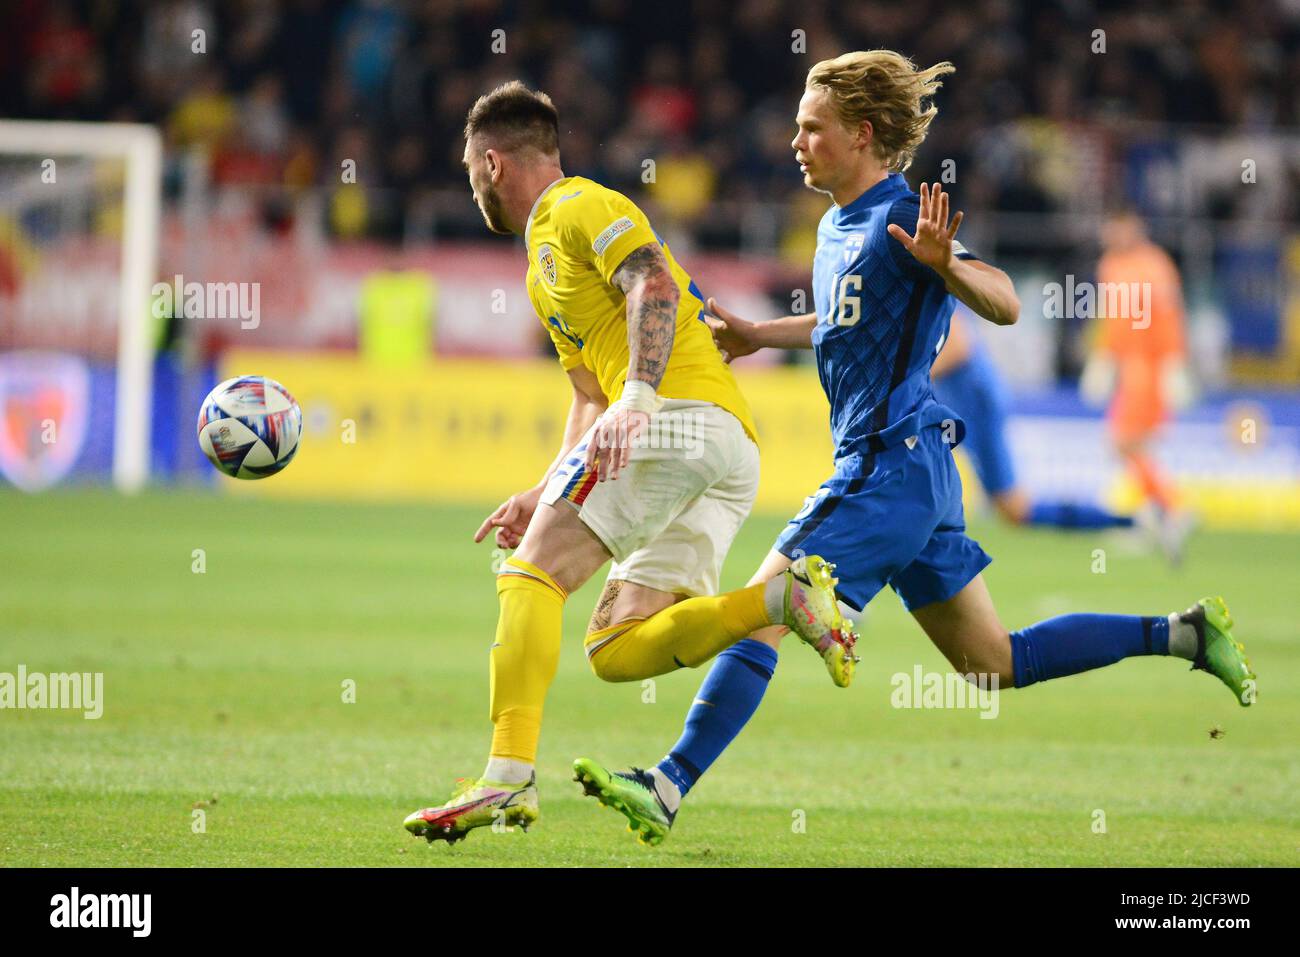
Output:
[[524, 657], [683, 635]]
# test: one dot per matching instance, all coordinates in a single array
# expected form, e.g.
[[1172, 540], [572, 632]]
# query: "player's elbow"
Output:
[[1011, 311], [674, 291], [660, 288], [1008, 305]]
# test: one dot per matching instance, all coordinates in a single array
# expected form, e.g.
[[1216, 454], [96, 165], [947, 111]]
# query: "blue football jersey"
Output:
[[882, 317]]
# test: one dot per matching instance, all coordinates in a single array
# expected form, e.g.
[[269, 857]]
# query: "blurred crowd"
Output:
[[279, 95]]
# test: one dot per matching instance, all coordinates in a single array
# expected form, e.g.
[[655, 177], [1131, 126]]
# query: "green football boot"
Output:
[[1217, 651], [632, 793]]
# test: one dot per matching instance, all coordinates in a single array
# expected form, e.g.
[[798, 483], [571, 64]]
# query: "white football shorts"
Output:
[[674, 510]]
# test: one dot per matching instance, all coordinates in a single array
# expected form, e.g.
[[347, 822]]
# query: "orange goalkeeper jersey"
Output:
[[1151, 326], [1140, 300]]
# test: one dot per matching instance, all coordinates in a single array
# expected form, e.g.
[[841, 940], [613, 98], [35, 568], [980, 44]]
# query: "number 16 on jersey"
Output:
[[848, 302]]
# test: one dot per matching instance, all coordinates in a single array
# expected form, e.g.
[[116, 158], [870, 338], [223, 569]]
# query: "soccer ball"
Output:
[[249, 427]]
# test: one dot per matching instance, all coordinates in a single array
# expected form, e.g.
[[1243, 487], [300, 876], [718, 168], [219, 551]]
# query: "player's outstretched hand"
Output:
[[611, 442], [932, 244], [734, 337], [511, 519]]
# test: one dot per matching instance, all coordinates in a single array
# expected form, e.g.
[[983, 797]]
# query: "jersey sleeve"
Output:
[[602, 227], [904, 213]]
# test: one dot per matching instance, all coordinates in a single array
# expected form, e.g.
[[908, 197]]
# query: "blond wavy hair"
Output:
[[886, 89]]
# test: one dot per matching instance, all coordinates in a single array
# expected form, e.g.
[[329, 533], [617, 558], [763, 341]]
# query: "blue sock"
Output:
[[1076, 515], [725, 702], [1069, 644]]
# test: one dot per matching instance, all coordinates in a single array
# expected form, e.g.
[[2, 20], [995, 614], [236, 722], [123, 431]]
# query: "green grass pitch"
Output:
[[226, 688]]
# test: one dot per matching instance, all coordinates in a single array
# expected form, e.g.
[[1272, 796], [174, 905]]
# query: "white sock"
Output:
[[666, 790], [1182, 637], [774, 599], [507, 771]]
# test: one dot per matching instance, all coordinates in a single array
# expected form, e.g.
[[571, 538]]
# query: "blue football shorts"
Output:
[[893, 517]]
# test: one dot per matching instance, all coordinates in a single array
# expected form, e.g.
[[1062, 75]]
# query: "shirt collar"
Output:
[[528, 226], [872, 196]]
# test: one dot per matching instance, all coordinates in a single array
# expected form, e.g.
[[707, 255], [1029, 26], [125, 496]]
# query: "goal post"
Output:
[[139, 146]]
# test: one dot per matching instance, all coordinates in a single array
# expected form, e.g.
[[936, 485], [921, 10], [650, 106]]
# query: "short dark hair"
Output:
[[515, 116]]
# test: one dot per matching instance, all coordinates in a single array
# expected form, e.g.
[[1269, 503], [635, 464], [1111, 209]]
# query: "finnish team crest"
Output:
[[546, 260], [44, 410], [853, 246]]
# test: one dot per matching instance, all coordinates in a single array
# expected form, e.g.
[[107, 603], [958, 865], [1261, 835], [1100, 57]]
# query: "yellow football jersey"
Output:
[[579, 233]]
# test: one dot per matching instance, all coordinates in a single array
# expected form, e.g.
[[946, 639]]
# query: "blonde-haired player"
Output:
[[657, 470], [886, 272]]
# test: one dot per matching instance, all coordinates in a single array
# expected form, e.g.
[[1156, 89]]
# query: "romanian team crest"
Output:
[[546, 259], [44, 409]]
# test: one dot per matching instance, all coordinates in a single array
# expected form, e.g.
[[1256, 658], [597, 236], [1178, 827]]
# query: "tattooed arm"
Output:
[[652, 298]]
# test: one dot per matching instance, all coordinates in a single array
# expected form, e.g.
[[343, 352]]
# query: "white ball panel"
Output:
[[276, 401], [259, 456]]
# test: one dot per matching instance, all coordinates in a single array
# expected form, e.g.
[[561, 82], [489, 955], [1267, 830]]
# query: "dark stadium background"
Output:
[[291, 87]]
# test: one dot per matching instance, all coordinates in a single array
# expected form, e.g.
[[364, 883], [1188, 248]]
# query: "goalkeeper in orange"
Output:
[[1140, 362]]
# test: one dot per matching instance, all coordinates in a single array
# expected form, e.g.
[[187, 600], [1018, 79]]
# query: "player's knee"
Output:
[[989, 677], [608, 654], [609, 667], [993, 660]]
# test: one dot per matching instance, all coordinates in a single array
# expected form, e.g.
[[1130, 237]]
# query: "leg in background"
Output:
[[967, 630]]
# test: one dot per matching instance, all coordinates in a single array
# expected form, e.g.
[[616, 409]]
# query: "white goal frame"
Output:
[[140, 146]]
